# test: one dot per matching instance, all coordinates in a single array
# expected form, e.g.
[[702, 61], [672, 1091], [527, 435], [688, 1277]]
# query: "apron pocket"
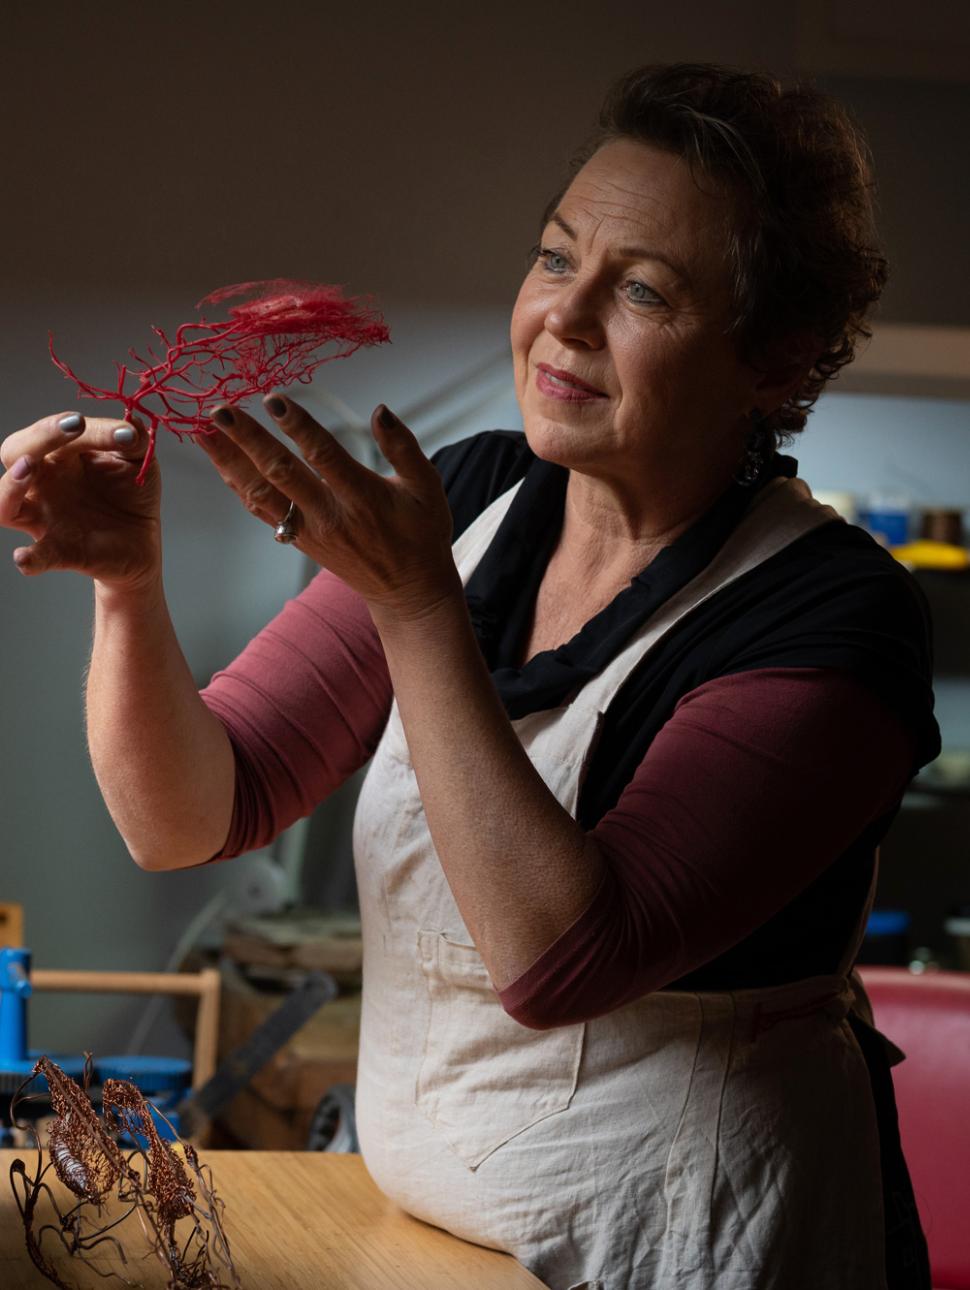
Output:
[[483, 1077]]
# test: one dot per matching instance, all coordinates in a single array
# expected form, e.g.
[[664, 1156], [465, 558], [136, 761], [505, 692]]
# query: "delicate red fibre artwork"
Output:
[[269, 341]]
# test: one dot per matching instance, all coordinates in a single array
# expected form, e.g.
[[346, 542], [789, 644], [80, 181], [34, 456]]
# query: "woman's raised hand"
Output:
[[70, 485], [389, 538]]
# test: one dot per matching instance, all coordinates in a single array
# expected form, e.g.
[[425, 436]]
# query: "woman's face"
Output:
[[618, 333]]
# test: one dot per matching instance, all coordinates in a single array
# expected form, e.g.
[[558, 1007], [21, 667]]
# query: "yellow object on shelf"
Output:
[[925, 554]]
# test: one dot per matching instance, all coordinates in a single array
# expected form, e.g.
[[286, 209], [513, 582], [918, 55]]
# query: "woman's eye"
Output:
[[552, 261], [640, 293]]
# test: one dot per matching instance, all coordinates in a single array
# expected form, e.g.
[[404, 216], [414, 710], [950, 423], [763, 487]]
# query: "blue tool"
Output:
[[15, 990], [162, 1079]]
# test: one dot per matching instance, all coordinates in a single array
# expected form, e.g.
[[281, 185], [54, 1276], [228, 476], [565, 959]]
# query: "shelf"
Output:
[[931, 789], [912, 360], [947, 575]]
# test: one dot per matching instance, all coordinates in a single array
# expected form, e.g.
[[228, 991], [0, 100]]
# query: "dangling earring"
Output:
[[757, 450]]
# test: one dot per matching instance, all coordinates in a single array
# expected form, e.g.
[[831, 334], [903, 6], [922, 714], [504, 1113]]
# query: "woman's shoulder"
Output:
[[837, 584], [480, 468], [836, 599], [844, 560]]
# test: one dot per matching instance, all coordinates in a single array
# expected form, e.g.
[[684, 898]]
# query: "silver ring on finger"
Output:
[[285, 531]]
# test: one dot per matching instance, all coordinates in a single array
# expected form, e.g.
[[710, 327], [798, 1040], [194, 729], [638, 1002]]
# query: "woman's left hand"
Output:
[[389, 538]]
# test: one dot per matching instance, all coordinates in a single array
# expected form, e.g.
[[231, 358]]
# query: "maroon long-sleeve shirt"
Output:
[[810, 753]]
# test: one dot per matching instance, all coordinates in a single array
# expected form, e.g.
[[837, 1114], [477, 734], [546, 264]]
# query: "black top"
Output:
[[832, 598]]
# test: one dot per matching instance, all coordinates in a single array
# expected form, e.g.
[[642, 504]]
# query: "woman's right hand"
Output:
[[70, 485]]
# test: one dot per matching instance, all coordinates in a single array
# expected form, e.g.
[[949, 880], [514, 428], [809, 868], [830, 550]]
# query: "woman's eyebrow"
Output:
[[631, 252]]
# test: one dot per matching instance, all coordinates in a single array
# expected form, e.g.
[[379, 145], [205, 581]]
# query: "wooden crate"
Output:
[[274, 1112]]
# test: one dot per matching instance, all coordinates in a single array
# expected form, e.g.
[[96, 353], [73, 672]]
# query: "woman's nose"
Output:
[[575, 316]]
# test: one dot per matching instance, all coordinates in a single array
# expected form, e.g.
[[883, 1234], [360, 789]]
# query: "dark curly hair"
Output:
[[804, 255]]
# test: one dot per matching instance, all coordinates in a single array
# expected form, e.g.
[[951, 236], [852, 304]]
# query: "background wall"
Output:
[[151, 155]]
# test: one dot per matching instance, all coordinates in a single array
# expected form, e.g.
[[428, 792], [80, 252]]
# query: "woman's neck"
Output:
[[608, 528]]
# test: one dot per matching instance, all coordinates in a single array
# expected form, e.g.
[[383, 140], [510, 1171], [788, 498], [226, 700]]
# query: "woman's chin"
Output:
[[561, 444]]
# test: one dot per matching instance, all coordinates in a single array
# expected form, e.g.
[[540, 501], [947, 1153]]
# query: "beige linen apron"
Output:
[[687, 1141]]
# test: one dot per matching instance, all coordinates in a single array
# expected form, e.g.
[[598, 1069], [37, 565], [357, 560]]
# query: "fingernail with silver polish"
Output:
[[124, 434], [21, 468], [71, 424], [224, 416], [275, 405]]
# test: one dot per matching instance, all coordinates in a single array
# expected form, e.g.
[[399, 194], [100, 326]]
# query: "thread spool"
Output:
[[942, 525]]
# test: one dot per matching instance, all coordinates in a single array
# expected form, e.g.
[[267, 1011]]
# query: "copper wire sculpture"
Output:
[[168, 1192]]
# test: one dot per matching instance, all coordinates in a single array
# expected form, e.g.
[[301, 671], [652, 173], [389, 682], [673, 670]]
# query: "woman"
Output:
[[638, 733]]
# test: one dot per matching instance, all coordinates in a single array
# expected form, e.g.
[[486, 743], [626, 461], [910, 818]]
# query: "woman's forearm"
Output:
[[164, 763], [519, 866]]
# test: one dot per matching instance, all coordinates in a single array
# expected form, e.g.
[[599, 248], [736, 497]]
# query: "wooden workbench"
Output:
[[296, 1221]]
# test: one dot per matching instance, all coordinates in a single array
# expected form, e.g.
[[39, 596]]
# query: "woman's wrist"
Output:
[[424, 606], [136, 593]]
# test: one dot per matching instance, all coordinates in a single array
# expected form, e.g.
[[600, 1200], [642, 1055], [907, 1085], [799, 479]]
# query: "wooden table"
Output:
[[296, 1221]]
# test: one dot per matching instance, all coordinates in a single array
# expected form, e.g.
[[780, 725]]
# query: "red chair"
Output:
[[928, 1016]]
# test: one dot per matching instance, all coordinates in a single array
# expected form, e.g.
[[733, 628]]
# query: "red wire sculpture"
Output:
[[170, 1192], [269, 341]]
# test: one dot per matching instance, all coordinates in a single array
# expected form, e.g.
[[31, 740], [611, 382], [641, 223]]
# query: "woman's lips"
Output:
[[556, 384]]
